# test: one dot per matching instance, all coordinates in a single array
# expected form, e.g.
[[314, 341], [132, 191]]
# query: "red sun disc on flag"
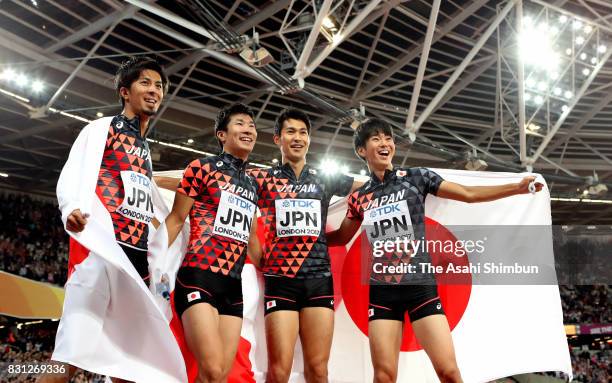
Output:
[[454, 290]]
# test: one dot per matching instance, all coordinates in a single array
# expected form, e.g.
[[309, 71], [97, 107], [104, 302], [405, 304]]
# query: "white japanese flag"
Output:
[[498, 330]]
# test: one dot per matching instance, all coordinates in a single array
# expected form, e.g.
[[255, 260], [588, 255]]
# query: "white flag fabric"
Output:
[[498, 330], [111, 324]]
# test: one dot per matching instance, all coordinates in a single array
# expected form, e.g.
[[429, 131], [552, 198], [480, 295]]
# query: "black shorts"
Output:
[[282, 293], [139, 260], [195, 286], [393, 301]]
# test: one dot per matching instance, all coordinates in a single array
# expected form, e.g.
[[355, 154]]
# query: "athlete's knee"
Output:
[[385, 374], [449, 374], [210, 372], [278, 373], [315, 370]]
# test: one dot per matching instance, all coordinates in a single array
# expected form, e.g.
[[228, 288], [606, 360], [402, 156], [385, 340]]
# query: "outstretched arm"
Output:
[[168, 183], [471, 194], [176, 218], [344, 233]]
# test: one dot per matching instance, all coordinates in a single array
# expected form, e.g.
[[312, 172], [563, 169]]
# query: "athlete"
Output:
[[124, 177], [299, 292], [221, 201], [399, 194]]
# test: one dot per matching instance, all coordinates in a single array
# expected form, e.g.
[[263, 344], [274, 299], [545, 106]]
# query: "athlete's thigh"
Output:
[[316, 333], [433, 333], [385, 336], [229, 329], [281, 334], [201, 326]]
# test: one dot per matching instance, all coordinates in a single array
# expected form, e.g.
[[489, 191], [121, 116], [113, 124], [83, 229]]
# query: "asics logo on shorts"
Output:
[[370, 313], [439, 306], [270, 304]]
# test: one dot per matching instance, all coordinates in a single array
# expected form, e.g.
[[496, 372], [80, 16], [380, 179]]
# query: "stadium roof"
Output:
[[367, 67]]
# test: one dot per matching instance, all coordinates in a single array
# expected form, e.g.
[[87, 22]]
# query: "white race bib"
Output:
[[137, 202], [234, 217], [298, 217], [388, 222]]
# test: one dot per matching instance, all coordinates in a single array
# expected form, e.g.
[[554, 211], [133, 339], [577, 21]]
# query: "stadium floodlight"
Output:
[[554, 75], [586, 71], [21, 80], [601, 49], [527, 97], [564, 108], [99, 114], [538, 100], [563, 19], [536, 47], [7, 74], [530, 82], [579, 40], [37, 86], [568, 51], [542, 85], [190, 140], [588, 29], [577, 24], [583, 56], [362, 172], [593, 60], [329, 166], [557, 91], [568, 94]]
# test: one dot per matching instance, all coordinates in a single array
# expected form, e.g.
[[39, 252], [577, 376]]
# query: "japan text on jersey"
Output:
[[124, 182], [392, 208], [225, 201], [294, 211]]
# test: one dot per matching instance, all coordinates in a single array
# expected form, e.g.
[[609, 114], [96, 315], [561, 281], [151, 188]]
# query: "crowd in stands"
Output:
[[592, 366], [585, 304], [33, 244], [32, 344]]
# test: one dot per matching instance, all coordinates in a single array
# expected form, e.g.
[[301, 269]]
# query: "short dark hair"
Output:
[[294, 114], [129, 71], [225, 114], [368, 129]]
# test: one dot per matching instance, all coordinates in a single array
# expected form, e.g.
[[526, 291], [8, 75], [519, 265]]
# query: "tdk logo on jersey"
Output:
[[401, 173], [299, 203], [383, 210], [240, 203], [140, 179], [312, 171]]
